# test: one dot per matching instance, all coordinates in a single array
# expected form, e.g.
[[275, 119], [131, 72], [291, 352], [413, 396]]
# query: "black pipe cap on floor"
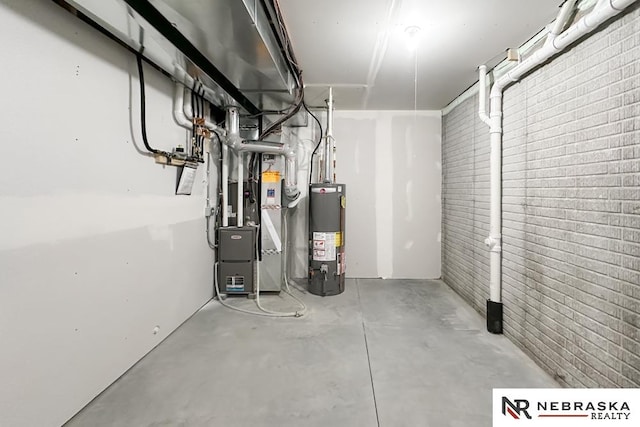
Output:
[[494, 317]]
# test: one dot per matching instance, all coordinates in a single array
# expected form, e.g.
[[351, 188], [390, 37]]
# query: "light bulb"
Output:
[[412, 35]]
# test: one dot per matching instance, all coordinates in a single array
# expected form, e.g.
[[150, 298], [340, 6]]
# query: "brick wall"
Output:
[[465, 158], [571, 209]]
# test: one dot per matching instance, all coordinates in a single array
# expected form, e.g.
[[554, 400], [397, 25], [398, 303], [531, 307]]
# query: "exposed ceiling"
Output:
[[360, 47]]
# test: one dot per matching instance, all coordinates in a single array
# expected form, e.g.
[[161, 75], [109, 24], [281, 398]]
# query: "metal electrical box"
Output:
[[237, 249], [327, 262]]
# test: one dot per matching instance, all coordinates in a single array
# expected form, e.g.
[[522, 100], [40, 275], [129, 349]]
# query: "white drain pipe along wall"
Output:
[[99, 260], [391, 164]]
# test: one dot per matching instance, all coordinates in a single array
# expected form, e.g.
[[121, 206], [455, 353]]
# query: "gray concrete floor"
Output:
[[385, 353]]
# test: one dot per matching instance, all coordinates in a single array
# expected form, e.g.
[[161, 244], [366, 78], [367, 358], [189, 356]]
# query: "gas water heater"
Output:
[[327, 203], [327, 263]]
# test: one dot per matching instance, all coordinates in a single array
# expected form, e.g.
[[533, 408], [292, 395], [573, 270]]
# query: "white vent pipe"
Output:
[[603, 11], [188, 112], [235, 142], [561, 20], [291, 190], [240, 200], [225, 185], [178, 102], [182, 76], [182, 108], [233, 134], [180, 105], [482, 94]]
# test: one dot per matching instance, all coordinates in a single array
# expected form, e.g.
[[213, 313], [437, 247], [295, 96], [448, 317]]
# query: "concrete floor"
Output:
[[384, 353]]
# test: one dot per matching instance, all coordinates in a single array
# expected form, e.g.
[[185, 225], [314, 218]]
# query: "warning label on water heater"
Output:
[[324, 246]]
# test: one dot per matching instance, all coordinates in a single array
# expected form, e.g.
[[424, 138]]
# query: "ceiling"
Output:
[[360, 47]]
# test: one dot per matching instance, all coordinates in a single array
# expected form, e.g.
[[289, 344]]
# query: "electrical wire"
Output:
[[215, 266], [297, 313], [295, 68], [286, 262], [143, 115], [317, 145], [241, 310], [288, 48], [257, 176], [252, 178], [143, 107], [198, 110], [263, 311], [207, 230], [293, 111], [254, 170], [198, 118], [290, 56], [201, 93], [194, 111], [219, 206], [209, 215]]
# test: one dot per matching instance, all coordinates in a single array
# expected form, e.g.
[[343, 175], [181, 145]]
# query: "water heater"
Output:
[[327, 263]]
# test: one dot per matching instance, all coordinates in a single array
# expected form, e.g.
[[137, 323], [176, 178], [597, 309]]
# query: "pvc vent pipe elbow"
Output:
[[561, 19], [178, 114], [482, 94]]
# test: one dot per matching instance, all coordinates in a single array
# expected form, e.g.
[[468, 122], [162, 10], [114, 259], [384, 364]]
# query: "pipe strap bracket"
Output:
[[494, 243]]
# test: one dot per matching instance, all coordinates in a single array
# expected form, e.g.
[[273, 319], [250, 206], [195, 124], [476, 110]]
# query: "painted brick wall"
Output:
[[465, 158], [571, 209]]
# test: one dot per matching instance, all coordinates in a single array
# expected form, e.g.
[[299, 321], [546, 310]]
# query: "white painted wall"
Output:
[[391, 164], [95, 248]]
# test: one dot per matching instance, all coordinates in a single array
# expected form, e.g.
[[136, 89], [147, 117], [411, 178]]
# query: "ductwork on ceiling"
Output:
[[236, 49]]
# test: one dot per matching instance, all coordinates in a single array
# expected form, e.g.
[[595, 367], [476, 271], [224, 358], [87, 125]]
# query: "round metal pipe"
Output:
[[328, 142]]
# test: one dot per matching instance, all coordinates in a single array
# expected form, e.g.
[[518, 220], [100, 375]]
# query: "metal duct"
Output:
[[231, 46]]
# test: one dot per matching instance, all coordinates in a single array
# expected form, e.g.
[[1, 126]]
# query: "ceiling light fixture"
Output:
[[412, 34]]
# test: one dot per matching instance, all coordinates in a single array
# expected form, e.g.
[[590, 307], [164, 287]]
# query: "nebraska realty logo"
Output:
[[595, 410], [566, 407]]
